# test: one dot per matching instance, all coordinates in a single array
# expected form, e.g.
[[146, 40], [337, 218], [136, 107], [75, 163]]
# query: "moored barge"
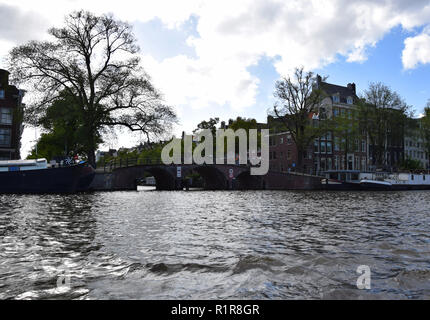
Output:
[[34, 176], [383, 181]]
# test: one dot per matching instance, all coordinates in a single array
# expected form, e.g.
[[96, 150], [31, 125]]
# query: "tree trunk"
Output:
[[300, 159], [91, 154]]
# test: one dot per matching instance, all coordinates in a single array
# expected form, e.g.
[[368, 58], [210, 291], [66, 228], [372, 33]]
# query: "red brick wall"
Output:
[[11, 100]]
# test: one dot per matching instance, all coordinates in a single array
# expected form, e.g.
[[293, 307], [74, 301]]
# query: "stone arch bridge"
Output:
[[215, 177]]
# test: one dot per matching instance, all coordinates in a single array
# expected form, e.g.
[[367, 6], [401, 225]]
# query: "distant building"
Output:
[[101, 154], [336, 153], [326, 153], [11, 114], [415, 147], [283, 154], [415, 150]]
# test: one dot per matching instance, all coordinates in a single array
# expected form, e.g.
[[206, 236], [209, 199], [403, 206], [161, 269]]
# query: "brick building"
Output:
[[283, 154], [11, 111], [330, 152], [415, 146], [340, 152]]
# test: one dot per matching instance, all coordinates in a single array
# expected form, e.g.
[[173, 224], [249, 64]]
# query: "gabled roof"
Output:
[[333, 89]]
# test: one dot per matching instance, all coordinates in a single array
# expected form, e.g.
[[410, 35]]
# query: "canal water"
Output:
[[215, 245]]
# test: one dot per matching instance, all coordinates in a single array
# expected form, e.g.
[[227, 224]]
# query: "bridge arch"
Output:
[[245, 181], [214, 179], [164, 179], [128, 178]]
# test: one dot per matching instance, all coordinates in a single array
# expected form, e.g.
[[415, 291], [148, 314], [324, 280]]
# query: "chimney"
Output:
[[4, 78], [319, 80], [351, 86]]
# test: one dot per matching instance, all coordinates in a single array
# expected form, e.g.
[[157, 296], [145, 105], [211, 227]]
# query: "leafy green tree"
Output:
[[243, 123], [246, 124], [66, 134], [49, 145], [208, 125], [411, 165], [95, 59]]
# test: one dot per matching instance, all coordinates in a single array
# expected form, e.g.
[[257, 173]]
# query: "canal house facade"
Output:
[[349, 152], [11, 110], [328, 153]]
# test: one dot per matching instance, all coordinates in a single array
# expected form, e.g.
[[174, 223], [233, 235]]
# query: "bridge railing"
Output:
[[109, 166], [125, 162]]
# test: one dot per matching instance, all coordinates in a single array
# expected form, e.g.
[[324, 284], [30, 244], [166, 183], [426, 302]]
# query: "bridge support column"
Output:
[[179, 185]]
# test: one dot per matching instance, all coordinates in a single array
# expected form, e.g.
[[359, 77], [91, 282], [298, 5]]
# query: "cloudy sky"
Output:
[[221, 58]]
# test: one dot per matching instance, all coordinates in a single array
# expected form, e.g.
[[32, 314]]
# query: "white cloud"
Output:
[[234, 35], [417, 50], [197, 83]]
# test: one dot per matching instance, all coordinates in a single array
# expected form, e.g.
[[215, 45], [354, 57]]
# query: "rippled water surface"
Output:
[[214, 245]]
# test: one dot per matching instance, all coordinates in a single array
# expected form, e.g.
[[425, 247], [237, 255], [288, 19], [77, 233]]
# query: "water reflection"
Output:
[[206, 245]]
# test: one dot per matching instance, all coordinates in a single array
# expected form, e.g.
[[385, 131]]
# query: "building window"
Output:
[[5, 116], [322, 114], [336, 144], [272, 141], [335, 112], [343, 144], [323, 164], [349, 100], [329, 163], [282, 140], [1, 94], [336, 99], [329, 147], [316, 146], [289, 154], [322, 147], [336, 163], [5, 137], [350, 163], [363, 145]]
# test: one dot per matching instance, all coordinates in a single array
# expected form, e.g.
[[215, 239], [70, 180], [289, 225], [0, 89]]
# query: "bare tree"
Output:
[[298, 100], [95, 60], [383, 115]]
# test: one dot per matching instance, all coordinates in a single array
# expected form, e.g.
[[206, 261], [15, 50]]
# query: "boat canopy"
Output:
[[37, 163]]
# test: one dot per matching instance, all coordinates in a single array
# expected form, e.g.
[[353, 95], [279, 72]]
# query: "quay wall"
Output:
[[124, 180], [102, 182]]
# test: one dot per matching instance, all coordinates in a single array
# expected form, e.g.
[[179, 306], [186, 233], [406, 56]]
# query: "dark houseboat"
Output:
[[34, 176], [383, 181]]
